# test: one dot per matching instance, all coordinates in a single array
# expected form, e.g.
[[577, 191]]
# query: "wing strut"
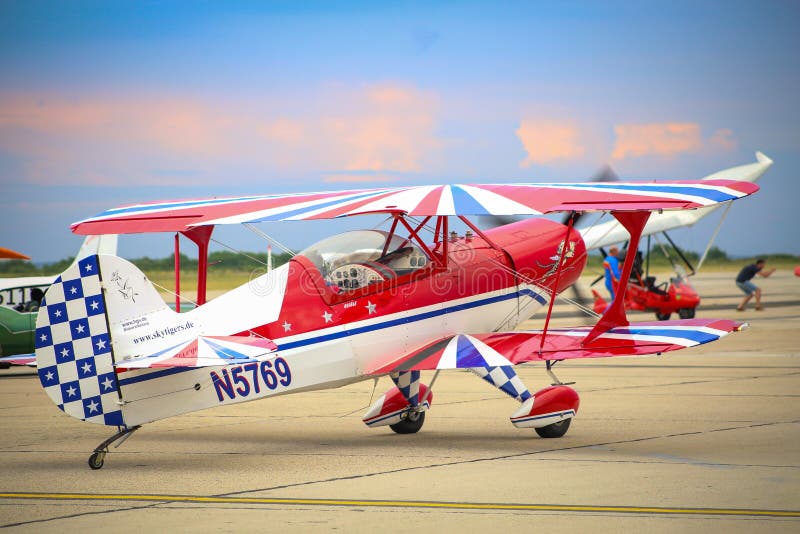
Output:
[[564, 246], [200, 235], [634, 222]]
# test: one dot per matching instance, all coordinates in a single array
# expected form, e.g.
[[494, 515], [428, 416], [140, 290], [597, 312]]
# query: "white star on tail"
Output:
[[92, 406], [286, 326]]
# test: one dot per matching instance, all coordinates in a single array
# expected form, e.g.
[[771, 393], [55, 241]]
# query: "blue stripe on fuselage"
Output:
[[359, 330]]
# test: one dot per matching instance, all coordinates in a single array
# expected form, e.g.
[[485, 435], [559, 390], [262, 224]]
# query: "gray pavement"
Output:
[[707, 439]]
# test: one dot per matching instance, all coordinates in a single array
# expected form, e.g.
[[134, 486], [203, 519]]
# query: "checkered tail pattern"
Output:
[[73, 347]]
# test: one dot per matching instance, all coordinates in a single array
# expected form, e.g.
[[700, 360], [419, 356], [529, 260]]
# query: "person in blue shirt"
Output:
[[611, 268], [743, 282]]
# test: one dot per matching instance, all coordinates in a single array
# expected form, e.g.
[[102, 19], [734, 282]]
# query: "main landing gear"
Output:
[[410, 424], [97, 459], [555, 430]]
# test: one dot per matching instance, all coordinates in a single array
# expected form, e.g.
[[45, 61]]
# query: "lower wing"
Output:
[[19, 359], [464, 351]]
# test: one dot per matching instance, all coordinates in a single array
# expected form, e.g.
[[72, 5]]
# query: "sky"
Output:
[[109, 103]]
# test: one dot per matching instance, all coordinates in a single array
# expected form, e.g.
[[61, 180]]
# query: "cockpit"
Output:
[[357, 259]]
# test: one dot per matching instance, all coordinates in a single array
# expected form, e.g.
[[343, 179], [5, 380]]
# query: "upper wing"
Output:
[[204, 351], [479, 199], [511, 348]]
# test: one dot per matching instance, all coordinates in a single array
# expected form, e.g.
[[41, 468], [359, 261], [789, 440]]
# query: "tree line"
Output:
[[220, 259], [223, 259]]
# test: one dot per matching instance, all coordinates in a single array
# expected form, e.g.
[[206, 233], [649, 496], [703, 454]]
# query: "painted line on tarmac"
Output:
[[199, 499]]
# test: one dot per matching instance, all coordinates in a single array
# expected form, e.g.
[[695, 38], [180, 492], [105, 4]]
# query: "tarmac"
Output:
[[702, 440]]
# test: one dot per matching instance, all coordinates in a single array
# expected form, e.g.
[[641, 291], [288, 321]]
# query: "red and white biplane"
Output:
[[415, 297]]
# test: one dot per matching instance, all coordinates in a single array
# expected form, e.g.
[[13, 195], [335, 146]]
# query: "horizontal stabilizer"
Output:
[[512, 348], [204, 351]]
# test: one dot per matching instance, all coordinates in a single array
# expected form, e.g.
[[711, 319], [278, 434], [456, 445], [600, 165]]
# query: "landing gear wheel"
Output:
[[555, 430], [663, 316], [686, 313], [411, 424], [96, 460]]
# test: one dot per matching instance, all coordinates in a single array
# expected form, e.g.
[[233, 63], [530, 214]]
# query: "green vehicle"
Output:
[[19, 306], [20, 298]]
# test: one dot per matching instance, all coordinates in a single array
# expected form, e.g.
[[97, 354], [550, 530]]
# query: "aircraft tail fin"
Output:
[[101, 305], [97, 244]]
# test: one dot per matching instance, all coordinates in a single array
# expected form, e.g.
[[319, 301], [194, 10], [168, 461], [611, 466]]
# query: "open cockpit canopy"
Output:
[[355, 259]]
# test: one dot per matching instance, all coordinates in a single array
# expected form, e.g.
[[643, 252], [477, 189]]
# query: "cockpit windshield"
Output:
[[356, 259]]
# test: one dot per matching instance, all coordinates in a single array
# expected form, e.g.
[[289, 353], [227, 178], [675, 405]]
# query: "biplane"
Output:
[[413, 297]]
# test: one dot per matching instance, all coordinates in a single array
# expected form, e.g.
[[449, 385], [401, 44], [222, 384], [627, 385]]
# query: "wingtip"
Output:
[[763, 158]]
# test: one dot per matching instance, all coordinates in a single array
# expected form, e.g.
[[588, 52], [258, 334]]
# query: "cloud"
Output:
[[723, 140], [668, 139], [661, 139], [114, 138], [549, 142], [357, 178]]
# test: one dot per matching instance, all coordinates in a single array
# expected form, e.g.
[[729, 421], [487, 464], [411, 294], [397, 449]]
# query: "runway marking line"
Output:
[[405, 504]]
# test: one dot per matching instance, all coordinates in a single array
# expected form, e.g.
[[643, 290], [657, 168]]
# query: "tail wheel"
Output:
[[686, 313], [96, 460], [555, 430], [411, 424], [663, 316]]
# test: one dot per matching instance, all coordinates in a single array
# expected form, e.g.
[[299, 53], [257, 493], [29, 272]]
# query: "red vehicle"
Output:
[[676, 296], [643, 294]]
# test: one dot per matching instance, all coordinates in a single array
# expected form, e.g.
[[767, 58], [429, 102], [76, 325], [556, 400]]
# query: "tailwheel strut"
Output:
[[97, 458]]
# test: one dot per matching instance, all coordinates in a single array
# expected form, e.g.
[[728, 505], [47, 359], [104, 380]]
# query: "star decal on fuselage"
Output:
[[286, 326], [370, 307], [328, 316]]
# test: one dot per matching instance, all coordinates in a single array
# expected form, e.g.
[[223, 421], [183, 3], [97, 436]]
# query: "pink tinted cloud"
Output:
[[660, 139], [356, 178], [723, 140], [113, 139], [668, 139], [547, 141]]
